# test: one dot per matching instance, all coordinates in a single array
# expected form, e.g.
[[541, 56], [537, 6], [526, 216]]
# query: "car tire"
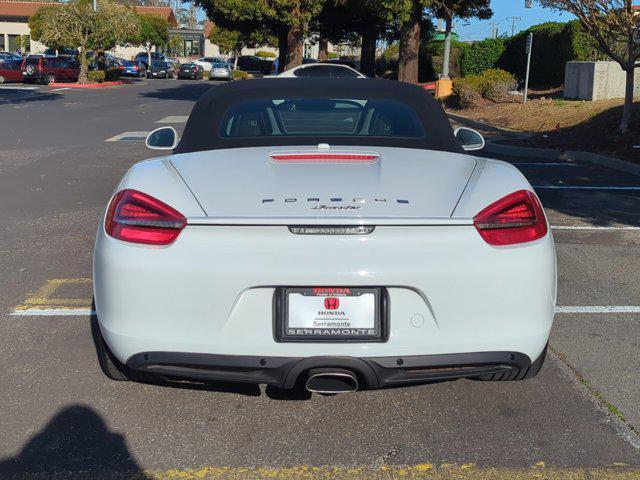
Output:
[[50, 79], [531, 371], [109, 364]]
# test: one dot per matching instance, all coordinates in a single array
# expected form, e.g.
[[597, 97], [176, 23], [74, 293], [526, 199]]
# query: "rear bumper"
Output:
[[220, 76], [285, 372]]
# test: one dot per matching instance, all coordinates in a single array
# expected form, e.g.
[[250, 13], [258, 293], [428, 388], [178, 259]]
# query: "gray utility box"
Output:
[[596, 81]]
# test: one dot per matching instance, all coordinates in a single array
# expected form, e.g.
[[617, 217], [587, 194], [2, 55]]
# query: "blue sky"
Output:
[[502, 9]]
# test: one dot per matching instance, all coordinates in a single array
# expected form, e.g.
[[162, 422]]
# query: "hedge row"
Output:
[[554, 44], [493, 83]]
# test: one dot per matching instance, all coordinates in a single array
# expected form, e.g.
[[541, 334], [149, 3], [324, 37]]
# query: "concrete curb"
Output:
[[496, 147], [604, 160], [88, 85], [487, 126]]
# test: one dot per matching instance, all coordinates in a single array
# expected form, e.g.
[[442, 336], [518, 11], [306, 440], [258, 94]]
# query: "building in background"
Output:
[[14, 23]]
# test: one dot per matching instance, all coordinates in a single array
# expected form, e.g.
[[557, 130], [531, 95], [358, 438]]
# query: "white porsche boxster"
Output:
[[334, 235]]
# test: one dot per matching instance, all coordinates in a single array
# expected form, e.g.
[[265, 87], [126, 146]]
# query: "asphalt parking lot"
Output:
[[63, 154]]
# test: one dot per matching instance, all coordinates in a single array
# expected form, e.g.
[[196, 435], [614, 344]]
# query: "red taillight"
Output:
[[136, 217], [121, 67], [516, 218]]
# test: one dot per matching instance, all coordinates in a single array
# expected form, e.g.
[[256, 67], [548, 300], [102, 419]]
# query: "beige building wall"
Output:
[[19, 28], [212, 50]]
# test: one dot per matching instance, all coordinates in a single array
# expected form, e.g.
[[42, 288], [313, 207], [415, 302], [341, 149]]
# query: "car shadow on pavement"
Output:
[[17, 97], [75, 444], [188, 90]]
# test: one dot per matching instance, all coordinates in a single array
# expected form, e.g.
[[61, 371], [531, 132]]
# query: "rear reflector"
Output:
[[136, 217], [515, 218], [312, 157]]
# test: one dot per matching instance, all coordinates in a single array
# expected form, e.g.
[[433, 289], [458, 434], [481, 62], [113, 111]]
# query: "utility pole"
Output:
[[494, 29], [514, 20]]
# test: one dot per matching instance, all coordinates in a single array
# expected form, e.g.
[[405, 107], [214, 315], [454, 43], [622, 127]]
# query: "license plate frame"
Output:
[[283, 333]]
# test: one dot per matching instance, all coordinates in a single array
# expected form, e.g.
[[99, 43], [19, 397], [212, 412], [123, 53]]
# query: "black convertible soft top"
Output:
[[202, 131]]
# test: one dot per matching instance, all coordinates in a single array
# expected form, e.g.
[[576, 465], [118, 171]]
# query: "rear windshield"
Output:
[[33, 60], [130, 64], [220, 65], [321, 117], [158, 64]]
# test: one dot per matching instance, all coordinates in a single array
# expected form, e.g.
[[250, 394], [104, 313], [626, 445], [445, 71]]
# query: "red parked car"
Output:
[[10, 71], [50, 69]]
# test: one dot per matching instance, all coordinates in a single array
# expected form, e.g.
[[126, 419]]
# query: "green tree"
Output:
[[76, 25], [610, 23], [254, 19], [450, 9], [175, 45], [153, 31], [410, 14]]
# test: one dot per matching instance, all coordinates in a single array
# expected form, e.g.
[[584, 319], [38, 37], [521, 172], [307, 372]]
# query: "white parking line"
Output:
[[128, 137], [590, 227], [599, 309], [586, 187], [174, 119], [60, 89], [17, 87], [53, 312], [545, 164]]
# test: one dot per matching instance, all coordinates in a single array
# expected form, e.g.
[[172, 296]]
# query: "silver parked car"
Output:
[[220, 71]]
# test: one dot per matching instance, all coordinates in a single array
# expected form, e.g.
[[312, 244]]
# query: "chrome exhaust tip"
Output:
[[330, 381]]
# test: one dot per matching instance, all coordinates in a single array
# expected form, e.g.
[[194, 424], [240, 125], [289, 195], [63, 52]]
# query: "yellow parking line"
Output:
[[425, 471], [44, 298], [417, 472]]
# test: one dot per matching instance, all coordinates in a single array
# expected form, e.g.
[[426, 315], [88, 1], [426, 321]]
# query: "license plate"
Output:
[[331, 314], [154, 74]]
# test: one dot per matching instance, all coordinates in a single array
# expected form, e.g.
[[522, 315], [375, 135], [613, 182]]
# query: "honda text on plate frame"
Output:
[[328, 234]]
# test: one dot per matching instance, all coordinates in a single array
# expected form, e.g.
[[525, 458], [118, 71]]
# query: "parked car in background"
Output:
[[155, 57], [176, 63], [49, 69], [221, 71], [63, 52], [10, 70], [207, 62], [9, 56], [131, 68], [191, 70], [161, 70], [276, 62], [355, 64], [251, 64], [324, 70]]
